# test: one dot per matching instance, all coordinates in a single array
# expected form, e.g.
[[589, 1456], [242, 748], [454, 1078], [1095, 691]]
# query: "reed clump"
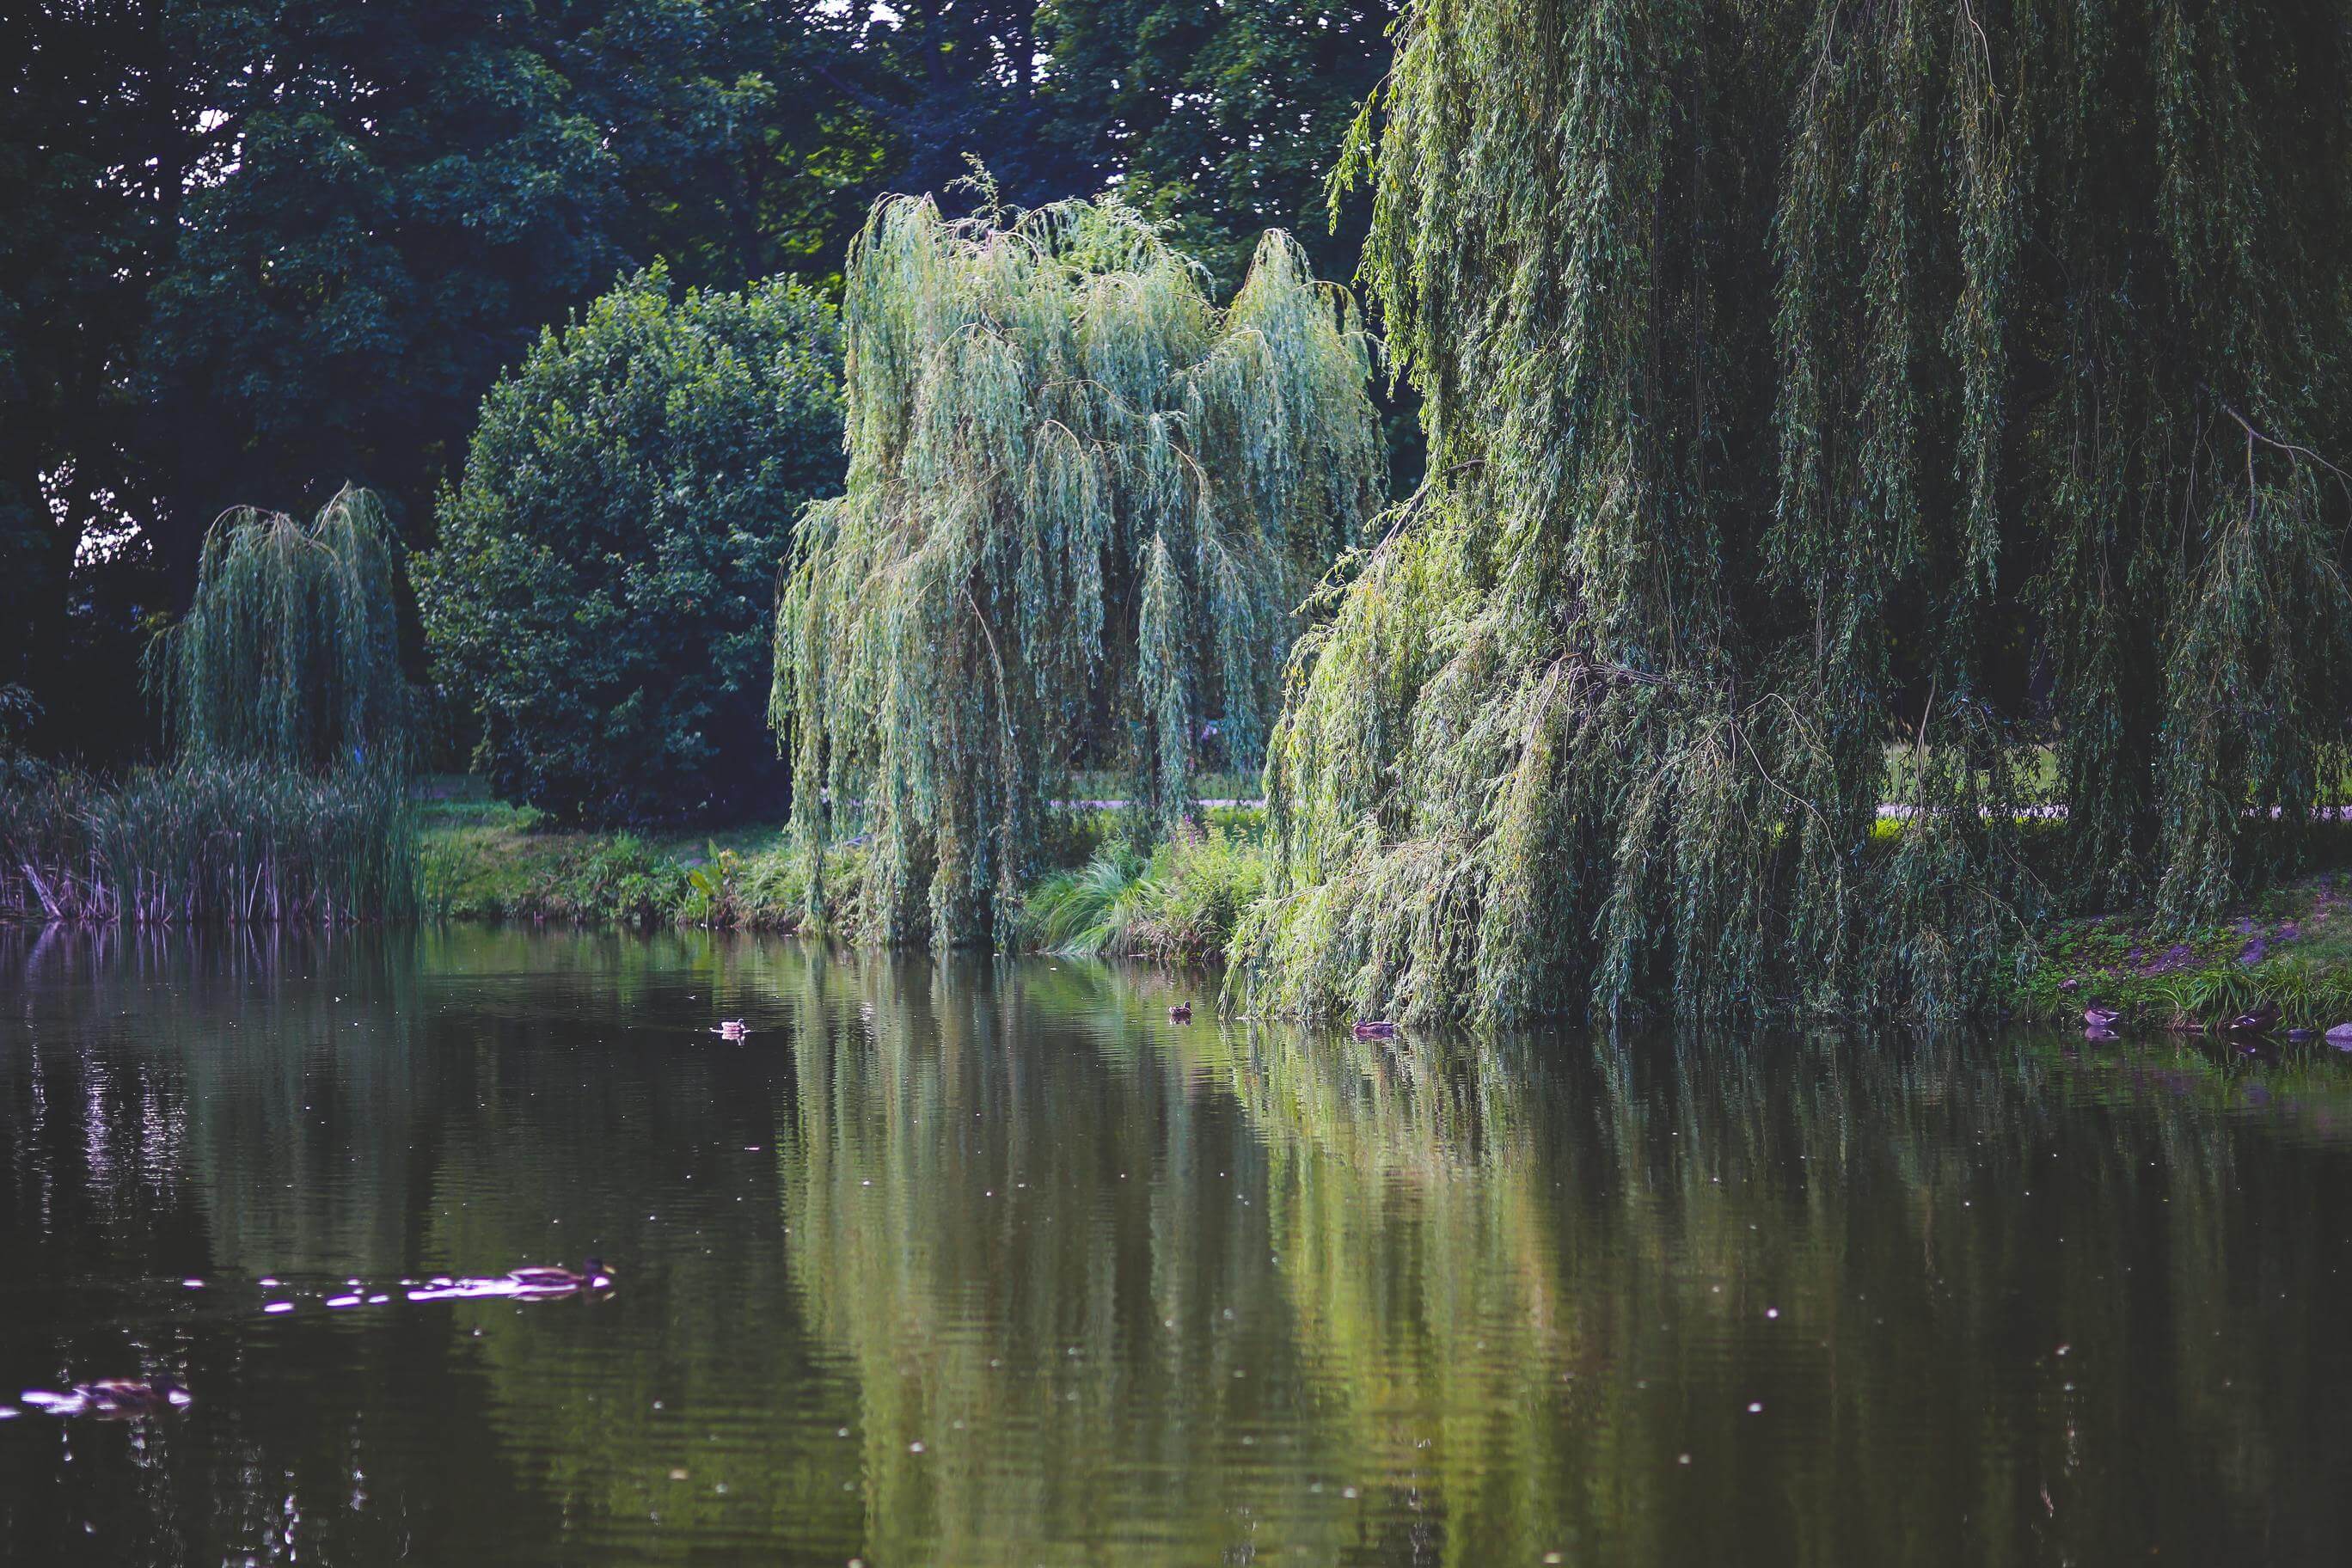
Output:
[[199, 842]]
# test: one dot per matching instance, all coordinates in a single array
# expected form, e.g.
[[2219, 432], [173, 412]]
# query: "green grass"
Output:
[[1178, 904], [484, 859], [2290, 948]]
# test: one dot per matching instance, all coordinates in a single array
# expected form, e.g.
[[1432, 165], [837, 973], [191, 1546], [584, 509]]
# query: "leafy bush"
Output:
[[599, 601], [1181, 903]]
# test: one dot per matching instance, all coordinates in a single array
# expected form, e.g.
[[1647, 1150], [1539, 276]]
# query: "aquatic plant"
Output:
[[241, 842], [1801, 381], [289, 653], [1083, 502]]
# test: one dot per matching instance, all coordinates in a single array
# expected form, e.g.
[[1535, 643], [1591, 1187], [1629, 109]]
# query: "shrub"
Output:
[[1181, 903], [598, 602]]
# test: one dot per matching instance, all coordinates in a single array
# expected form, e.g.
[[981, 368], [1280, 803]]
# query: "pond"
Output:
[[981, 1262]]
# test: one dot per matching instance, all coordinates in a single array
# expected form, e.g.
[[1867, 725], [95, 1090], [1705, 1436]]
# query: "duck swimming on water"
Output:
[[733, 1030], [543, 1280]]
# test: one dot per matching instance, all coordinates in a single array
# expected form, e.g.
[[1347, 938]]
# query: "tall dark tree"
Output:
[[946, 82], [92, 143], [1225, 119]]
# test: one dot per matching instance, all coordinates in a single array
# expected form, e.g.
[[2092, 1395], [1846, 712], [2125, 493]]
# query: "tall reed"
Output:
[[233, 842]]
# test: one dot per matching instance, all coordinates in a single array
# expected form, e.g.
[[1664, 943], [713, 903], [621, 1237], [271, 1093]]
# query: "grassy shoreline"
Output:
[[481, 859], [2290, 947], [139, 851]]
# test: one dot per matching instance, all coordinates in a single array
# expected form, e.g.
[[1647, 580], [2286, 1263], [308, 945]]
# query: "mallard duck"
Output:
[[2101, 1017], [1374, 1029], [1181, 1013], [2260, 1021], [542, 1279], [733, 1030]]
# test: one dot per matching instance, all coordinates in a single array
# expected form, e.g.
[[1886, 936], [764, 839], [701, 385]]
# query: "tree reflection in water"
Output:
[[1081, 1284]]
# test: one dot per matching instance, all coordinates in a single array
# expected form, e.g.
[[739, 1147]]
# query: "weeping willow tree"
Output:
[[1841, 416], [1083, 503], [290, 655]]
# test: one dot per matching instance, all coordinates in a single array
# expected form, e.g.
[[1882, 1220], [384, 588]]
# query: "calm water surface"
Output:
[[980, 1263]]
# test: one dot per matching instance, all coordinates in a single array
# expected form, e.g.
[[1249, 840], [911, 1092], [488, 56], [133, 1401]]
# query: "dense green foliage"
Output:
[[1801, 381], [257, 249], [599, 602], [1181, 903], [1082, 501], [1223, 119], [290, 657]]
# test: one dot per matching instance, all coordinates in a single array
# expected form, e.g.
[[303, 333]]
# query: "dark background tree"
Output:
[[1223, 119], [252, 250]]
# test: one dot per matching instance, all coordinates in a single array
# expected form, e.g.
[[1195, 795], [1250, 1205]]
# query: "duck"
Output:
[[1374, 1029], [733, 1030], [1181, 1013], [2099, 1017], [2260, 1021], [543, 1279]]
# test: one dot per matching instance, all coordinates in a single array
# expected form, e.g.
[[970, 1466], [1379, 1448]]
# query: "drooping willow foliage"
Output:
[[289, 654], [1083, 504], [1884, 487]]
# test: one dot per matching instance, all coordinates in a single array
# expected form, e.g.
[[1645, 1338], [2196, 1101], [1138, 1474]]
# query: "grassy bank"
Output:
[[229, 844], [2289, 949], [484, 860]]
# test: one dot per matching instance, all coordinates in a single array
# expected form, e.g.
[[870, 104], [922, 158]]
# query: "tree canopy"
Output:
[[257, 249], [290, 657], [1082, 503], [1828, 406], [599, 602]]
